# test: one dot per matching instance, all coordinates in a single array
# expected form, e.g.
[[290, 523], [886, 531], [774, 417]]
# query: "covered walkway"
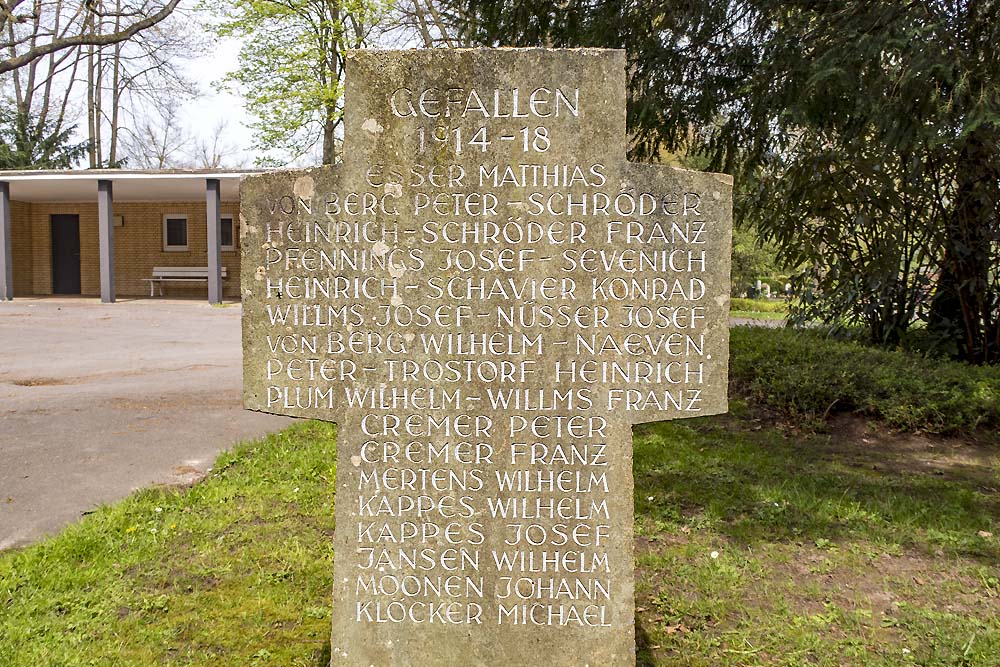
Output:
[[102, 232]]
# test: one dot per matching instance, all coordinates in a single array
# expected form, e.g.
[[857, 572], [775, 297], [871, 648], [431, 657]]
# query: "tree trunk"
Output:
[[91, 107], [116, 93], [329, 137], [99, 106], [964, 305], [330, 110]]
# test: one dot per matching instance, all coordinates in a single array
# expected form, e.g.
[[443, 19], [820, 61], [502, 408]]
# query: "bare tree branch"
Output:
[[84, 38]]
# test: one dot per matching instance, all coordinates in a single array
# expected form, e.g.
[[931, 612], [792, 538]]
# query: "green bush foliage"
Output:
[[807, 376]]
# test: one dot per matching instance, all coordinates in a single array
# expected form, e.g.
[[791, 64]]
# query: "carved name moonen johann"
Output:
[[486, 296]]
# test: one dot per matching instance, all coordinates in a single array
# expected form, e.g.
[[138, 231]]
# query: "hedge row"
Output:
[[807, 375]]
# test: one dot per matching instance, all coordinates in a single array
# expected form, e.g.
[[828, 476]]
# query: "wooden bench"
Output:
[[178, 274]]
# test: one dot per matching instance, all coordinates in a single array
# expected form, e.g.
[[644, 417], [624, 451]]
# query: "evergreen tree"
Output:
[[864, 136], [27, 144]]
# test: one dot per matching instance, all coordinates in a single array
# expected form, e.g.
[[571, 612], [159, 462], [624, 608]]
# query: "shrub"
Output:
[[808, 376]]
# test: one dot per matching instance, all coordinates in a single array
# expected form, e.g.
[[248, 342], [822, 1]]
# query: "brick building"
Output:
[[104, 232]]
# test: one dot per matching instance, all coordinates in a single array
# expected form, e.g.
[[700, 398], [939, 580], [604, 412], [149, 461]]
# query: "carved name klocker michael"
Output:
[[486, 296]]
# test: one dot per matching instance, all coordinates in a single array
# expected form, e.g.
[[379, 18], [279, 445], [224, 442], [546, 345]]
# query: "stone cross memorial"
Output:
[[486, 296]]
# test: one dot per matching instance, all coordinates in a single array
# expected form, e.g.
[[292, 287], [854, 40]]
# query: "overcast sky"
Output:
[[201, 115]]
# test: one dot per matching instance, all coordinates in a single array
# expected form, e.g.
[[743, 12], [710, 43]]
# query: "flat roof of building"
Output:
[[130, 185]]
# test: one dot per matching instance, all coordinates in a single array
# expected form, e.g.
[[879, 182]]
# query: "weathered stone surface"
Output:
[[486, 296]]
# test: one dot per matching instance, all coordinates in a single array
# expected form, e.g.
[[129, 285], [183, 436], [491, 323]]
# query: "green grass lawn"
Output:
[[779, 306], [758, 309], [829, 550]]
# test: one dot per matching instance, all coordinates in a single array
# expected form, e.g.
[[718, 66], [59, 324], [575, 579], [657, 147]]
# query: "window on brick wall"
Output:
[[226, 238], [175, 232]]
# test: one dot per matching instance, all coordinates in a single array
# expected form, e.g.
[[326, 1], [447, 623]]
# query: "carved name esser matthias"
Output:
[[486, 296]]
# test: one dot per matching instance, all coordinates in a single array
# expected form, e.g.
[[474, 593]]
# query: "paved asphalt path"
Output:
[[97, 401]]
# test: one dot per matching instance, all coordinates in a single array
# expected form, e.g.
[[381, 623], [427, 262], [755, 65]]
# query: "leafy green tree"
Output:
[[863, 228], [291, 67], [864, 136], [27, 144]]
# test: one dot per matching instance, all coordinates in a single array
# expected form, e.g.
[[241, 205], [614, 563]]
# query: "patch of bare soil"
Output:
[[183, 477], [41, 382], [98, 376], [855, 442]]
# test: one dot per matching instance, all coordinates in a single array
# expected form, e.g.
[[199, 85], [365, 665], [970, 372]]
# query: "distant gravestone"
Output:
[[486, 297]]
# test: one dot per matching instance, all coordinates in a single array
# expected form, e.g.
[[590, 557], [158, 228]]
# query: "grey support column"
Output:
[[213, 203], [6, 256], [106, 235]]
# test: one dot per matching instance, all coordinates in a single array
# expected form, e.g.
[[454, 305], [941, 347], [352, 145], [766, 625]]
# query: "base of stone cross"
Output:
[[484, 615]]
